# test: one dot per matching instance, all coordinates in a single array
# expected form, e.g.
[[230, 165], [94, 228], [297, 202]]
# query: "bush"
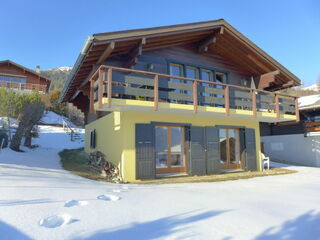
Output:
[[12, 102]]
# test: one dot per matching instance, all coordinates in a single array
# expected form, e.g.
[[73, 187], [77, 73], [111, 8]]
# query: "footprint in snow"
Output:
[[57, 221], [108, 197], [73, 203]]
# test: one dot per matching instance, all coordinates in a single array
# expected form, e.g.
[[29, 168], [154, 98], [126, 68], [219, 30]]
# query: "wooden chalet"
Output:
[[17, 77], [180, 99]]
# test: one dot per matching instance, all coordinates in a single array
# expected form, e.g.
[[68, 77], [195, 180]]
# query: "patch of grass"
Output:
[[75, 161]]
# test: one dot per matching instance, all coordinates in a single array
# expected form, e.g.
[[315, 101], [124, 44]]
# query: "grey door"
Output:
[[212, 150], [251, 152], [145, 167]]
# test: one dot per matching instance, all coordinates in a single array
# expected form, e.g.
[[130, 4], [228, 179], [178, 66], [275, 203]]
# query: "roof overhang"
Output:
[[217, 36]]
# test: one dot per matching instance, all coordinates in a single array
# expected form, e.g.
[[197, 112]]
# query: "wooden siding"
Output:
[[31, 79], [186, 54]]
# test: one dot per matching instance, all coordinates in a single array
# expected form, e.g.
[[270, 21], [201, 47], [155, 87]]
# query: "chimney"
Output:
[[38, 68]]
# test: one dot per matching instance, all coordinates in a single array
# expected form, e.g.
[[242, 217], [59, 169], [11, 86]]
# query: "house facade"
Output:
[[278, 138], [17, 77], [180, 99]]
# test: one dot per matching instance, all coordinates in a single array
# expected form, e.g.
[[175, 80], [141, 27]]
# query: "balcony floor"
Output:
[[128, 105]]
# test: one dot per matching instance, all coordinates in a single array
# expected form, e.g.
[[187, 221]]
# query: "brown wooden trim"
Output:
[[254, 103], [109, 86], [100, 87], [106, 53], [156, 91], [309, 124], [195, 96], [277, 106], [226, 99], [228, 164], [171, 169], [296, 105], [91, 96]]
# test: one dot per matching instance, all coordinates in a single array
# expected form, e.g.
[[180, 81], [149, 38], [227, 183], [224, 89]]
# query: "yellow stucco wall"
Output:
[[116, 134]]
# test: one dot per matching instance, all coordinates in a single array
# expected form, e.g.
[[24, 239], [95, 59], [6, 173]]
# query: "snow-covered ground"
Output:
[[39, 200]]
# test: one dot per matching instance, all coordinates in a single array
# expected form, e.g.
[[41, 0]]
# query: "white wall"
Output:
[[293, 148]]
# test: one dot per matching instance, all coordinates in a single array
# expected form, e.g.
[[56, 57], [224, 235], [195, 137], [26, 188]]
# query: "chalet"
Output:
[[17, 77], [279, 138], [179, 99]]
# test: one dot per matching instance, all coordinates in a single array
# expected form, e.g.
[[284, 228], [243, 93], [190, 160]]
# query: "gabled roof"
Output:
[[228, 42], [309, 102], [26, 69]]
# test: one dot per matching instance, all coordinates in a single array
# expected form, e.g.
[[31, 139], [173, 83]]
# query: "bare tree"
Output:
[[29, 117]]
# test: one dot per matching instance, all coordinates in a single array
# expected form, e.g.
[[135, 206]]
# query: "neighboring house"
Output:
[[296, 142], [178, 99], [17, 77]]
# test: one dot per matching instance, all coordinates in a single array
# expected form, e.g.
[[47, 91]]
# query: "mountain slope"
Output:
[[57, 75]]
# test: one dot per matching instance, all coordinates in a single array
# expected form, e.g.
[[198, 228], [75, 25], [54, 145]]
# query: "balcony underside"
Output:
[[130, 105]]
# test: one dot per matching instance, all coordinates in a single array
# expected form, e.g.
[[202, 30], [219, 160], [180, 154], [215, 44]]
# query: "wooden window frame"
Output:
[[228, 164], [169, 168]]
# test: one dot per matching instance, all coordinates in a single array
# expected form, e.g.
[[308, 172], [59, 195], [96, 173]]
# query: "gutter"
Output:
[[75, 67]]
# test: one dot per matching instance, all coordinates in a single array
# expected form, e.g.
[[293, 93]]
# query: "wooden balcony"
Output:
[[24, 86], [122, 89]]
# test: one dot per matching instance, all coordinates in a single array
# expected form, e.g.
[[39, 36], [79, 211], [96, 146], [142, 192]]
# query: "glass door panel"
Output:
[[223, 146], [177, 146], [176, 70], [191, 72], [170, 149], [161, 147], [230, 148], [234, 144]]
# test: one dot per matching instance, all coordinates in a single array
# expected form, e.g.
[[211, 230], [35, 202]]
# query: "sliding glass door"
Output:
[[170, 149]]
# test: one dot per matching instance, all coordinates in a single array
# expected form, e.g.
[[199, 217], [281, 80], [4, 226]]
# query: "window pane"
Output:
[[177, 146], [234, 146], [223, 145], [161, 147]]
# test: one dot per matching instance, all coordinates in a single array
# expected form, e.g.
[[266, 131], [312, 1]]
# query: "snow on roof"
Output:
[[308, 101]]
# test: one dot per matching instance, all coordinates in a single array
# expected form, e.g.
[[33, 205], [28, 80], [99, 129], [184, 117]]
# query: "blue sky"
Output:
[[51, 33]]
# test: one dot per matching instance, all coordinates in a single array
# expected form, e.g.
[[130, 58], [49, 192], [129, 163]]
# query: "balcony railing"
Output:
[[23, 86], [114, 82]]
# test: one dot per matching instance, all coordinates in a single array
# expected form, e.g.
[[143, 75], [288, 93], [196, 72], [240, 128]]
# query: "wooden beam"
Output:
[[106, 53], [267, 78], [91, 96], [195, 96], [135, 53], [109, 87], [156, 91], [204, 45], [221, 30], [226, 100], [277, 106], [100, 86], [254, 103]]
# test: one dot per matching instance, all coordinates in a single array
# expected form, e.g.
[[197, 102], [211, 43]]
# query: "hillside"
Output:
[[57, 75]]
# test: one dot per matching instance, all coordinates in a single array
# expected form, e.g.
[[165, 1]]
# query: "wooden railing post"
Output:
[[195, 96], [277, 108], [156, 91], [109, 89], [91, 96], [100, 87], [296, 106], [226, 100], [254, 103]]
